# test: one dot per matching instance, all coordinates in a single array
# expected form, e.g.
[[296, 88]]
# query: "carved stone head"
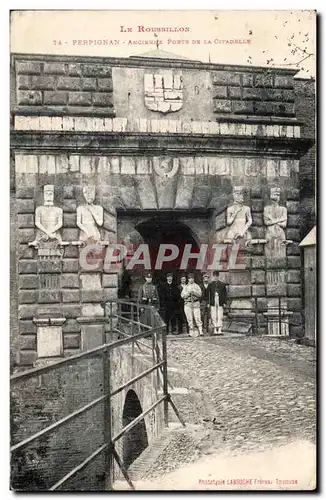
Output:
[[89, 193], [275, 194], [48, 194], [238, 194]]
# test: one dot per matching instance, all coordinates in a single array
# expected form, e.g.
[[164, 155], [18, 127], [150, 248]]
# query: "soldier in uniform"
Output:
[[217, 297], [147, 295], [170, 303], [204, 303], [181, 311], [192, 295]]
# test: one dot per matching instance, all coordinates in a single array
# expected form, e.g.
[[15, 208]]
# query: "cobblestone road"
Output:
[[250, 413], [248, 393]]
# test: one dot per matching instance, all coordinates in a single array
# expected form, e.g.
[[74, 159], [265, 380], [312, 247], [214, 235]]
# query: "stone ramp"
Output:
[[175, 447], [145, 461]]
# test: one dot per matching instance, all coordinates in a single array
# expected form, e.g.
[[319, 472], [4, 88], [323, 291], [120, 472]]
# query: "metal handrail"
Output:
[[57, 424], [135, 379], [105, 350], [139, 342], [79, 467], [102, 448], [82, 355], [45, 369], [132, 321]]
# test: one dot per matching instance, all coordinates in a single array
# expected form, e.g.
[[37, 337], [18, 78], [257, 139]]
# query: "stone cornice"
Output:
[[146, 144], [135, 61]]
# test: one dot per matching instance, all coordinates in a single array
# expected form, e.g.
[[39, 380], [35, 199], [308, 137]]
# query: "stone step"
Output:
[[139, 467]]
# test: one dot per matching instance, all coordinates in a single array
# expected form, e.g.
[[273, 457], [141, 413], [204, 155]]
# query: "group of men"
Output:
[[187, 305]]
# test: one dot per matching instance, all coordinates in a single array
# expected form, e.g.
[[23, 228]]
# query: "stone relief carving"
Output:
[[166, 167], [163, 92], [238, 220], [275, 218], [89, 217], [48, 220]]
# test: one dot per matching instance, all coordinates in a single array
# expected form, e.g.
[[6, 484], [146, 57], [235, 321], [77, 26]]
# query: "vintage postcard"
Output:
[[163, 250]]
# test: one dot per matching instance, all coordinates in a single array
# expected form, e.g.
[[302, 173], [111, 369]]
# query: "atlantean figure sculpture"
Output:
[[238, 220], [275, 218], [89, 217], [48, 220]]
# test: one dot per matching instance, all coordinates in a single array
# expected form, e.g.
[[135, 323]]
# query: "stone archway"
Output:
[[135, 441], [166, 229], [158, 227]]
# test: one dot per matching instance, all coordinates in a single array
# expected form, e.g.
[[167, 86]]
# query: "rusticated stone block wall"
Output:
[[264, 93], [59, 87], [305, 104], [48, 289], [108, 87], [255, 287], [129, 183]]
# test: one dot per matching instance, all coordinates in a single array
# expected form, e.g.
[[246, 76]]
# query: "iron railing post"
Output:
[[256, 316], [103, 355], [106, 365], [165, 380], [107, 418], [111, 321], [279, 317], [132, 314]]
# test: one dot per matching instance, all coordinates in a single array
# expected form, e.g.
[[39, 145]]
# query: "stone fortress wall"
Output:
[[152, 134]]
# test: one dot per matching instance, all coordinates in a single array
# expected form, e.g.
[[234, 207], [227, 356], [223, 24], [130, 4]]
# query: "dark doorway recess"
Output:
[[166, 230], [135, 441]]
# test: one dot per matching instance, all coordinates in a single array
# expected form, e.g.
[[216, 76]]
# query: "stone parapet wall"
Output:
[[59, 87], [112, 86], [262, 94], [39, 401]]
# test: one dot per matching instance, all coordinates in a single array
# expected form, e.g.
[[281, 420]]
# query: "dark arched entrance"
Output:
[[135, 441], [164, 229]]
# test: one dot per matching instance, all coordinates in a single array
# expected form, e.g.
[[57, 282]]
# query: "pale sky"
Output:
[[270, 33]]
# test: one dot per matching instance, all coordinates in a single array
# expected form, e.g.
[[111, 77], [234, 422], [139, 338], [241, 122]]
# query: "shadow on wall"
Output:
[[135, 441]]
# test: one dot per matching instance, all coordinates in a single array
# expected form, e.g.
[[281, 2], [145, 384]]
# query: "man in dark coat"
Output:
[[147, 295], [182, 320], [204, 303], [217, 297], [170, 303]]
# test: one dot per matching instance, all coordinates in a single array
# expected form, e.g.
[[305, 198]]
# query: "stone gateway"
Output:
[[156, 149]]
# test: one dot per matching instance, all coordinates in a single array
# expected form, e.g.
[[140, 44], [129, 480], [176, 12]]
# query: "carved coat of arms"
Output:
[[163, 92], [166, 167]]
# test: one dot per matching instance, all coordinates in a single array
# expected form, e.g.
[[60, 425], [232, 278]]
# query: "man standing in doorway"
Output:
[[182, 320], [204, 303], [147, 295], [217, 299], [169, 301], [191, 295]]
